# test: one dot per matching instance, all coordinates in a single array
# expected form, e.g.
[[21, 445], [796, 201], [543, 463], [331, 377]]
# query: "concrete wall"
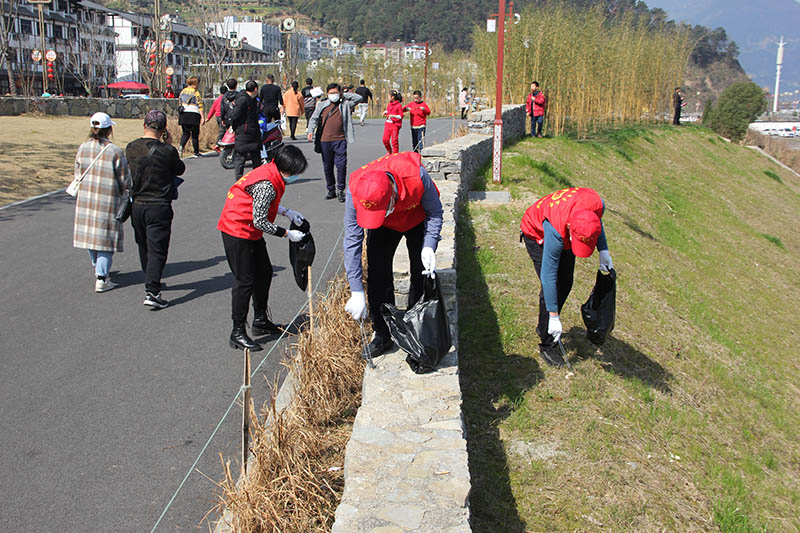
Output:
[[85, 107], [406, 465]]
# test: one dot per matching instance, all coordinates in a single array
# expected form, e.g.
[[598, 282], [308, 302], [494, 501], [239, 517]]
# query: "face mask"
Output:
[[333, 97], [290, 179]]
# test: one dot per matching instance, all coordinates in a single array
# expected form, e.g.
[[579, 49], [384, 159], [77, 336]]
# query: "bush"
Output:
[[737, 106]]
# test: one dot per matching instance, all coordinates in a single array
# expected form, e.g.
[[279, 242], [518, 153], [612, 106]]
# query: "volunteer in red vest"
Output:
[[556, 229], [392, 197], [250, 210]]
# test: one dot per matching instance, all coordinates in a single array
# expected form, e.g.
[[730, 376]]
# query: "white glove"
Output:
[[554, 328], [357, 305], [295, 235], [294, 216], [605, 261], [428, 262]]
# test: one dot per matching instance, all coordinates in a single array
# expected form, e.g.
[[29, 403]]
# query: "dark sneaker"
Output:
[[331, 195], [376, 347], [155, 301], [264, 326], [551, 355], [341, 196]]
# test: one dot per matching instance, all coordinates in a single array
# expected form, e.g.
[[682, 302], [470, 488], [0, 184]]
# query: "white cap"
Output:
[[102, 120]]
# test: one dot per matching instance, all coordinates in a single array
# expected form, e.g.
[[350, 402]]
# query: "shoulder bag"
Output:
[[72, 190]]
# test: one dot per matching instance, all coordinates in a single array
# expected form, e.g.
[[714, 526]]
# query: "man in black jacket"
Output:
[[271, 98], [154, 167], [244, 120], [226, 106]]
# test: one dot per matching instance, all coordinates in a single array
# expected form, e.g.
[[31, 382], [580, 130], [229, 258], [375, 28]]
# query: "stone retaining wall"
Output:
[[84, 107], [406, 465], [482, 122]]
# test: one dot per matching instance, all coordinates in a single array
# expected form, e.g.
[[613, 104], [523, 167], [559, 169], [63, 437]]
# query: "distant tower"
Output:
[[778, 76]]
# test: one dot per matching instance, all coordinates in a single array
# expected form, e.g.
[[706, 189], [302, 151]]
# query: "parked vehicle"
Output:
[[272, 137]]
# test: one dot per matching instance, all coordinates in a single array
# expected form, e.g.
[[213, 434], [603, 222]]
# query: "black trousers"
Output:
[[381, 245], [292, 125], [271, 113], [222, 129], [239, 159], [309, 112], [252, 276], [192, 131], [676, 118], [417, 139], [566, 273], [152, 227]]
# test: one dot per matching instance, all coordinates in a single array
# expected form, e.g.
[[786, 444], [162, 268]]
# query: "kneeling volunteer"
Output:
[[391, 197], [250, 209], [556, 228]]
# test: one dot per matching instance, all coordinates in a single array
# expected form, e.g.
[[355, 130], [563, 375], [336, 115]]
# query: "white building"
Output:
[[266, 37]]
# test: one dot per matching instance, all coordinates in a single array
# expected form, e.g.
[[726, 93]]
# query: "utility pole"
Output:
[[497, 156], [157, 28], [779, 64], [425, 88]]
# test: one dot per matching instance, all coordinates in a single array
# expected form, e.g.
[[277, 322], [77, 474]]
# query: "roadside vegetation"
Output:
[[687, 418]]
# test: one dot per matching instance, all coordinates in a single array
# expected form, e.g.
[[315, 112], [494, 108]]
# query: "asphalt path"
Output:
[[104, 404]]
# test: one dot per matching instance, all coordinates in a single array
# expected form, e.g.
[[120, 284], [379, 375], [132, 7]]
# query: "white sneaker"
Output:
[[104, 285]]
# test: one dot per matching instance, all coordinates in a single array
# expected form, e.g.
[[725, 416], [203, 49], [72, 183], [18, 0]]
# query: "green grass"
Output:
[[773, 175], [687, 418]]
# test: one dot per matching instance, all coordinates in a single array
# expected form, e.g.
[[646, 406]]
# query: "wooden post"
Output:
[[246, 411], [310, 303]]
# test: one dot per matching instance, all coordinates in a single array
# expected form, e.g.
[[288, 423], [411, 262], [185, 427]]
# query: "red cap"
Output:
[[584, 230], [372, 193]]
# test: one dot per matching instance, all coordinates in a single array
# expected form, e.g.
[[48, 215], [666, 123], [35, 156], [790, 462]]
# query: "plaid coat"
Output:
[[96, 227]]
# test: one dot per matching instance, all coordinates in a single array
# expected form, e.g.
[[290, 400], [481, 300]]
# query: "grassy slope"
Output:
[[687, 418]]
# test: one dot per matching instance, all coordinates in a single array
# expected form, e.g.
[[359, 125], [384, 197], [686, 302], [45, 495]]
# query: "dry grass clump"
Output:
[[778, 148], [295, 477], [208, 134]]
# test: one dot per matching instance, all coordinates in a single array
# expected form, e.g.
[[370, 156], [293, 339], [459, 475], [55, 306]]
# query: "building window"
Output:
[[26, 27]]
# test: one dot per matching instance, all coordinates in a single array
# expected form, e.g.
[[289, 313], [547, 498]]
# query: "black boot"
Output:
[[264, 326], [239, 339]]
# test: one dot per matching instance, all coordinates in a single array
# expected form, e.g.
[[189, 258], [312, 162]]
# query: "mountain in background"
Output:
[[756, 26]]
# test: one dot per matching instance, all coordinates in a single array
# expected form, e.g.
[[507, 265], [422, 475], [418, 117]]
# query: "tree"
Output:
[[737, 106], [8, 18], [85, 55]]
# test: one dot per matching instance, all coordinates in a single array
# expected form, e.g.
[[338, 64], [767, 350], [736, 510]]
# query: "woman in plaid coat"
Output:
[[96, 226]]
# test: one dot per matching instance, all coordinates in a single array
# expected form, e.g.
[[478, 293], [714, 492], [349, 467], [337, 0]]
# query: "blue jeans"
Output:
[[101, 261], [536, 125], [417, 139], [334, 153]]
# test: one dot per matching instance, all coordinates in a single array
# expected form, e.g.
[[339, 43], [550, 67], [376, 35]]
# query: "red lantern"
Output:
[[152, 69], [152, 63], [49, 69], [50, 76], [152, 56]]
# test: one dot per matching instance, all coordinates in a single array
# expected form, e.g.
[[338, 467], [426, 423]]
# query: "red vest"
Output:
[[237, 216], [408, 211], [556, 208]]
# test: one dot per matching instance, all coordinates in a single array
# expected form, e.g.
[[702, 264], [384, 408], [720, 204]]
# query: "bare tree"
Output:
[[86, 54], [206, 17], [8, 18]]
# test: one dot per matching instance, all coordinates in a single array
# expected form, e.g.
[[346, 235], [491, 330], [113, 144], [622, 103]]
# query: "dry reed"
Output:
[[208, 135], [777, 147], [295, 477], [595, 72]]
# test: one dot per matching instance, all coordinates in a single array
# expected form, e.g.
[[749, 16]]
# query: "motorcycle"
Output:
[[272, 138]]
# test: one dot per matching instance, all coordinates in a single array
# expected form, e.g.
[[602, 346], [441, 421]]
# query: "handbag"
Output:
[[124, 207], [73, 187]]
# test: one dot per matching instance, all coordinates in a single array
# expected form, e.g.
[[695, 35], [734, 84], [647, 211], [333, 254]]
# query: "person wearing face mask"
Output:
[[392, 197], [251, 206], [557, 228], [331, 129]]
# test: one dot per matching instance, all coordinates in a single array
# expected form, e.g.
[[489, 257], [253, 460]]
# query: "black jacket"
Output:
[[244, 120], [153, 172], [226, 107]]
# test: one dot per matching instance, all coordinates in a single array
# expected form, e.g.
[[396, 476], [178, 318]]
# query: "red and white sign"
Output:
[[168, 46], [149, 46], [497, 152], [169, 71], [36, 55], [50, 55]]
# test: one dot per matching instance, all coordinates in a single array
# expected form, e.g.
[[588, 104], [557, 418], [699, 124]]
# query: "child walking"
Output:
[[394, 121]]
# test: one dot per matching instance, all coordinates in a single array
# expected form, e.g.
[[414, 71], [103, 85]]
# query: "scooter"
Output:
[[272, 138]]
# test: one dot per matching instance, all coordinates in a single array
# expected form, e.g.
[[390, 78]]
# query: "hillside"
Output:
[[687, 418]]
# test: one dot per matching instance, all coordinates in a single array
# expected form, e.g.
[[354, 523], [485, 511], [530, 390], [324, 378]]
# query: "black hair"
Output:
[[295, 85], [250, 86], [417, 93], [396, 95], [309, 81], [290, 160], [334, 85], [100, 134], [223, 89], [464, 89], [535, 83], [362, 82], [232, 83], [270, 77]]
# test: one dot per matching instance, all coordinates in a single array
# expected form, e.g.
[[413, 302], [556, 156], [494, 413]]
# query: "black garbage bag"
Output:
[[600, 309], [422, 331], [301, 254]]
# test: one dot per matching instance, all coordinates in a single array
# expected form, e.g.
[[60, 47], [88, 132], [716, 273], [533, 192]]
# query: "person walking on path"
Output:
[[534, 106], [191, 116], [271, 99], [244, 121], [394, 121], [293, 104], [331, 129], [105, 177], [463, 102], [155, 164], [557, 228], [309, 100], [392, 197], [216, 111], [366, 96], [677, 105], [418, 112], [251, 205]]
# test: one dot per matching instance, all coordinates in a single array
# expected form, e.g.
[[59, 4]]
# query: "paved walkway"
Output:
[[104, 404]]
